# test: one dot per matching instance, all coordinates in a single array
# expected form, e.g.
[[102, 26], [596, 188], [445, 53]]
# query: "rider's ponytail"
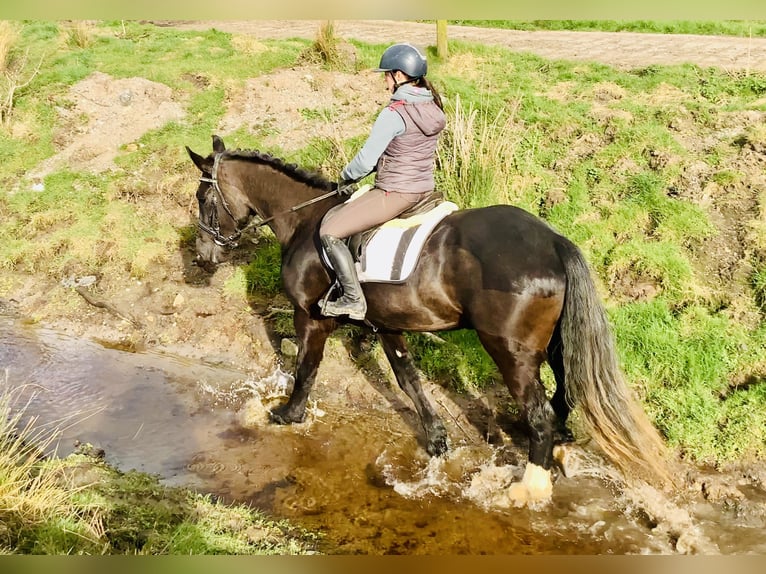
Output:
[[423, 82]]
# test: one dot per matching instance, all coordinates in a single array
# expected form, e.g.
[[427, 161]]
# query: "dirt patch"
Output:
[[290, 106], [100, 115]]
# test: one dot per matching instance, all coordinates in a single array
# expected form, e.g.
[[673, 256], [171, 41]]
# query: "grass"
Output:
[[29, 498], [325, 50], [81, 505], [684, 360], [645, 169], [8, 39], [469, 151], [458, 359]]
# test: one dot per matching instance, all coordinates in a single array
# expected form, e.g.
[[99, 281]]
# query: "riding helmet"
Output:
[[404, 57]]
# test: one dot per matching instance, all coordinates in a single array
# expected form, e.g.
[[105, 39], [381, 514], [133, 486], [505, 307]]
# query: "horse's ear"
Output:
[[198, 160], [218, 145]]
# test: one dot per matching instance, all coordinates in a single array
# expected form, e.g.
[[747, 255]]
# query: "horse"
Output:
[[525, 289]]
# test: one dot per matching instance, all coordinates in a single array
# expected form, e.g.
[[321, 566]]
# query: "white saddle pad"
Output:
[[393, 250]]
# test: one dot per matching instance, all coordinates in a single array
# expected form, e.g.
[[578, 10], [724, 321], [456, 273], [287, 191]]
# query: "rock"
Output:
[[289, 348], [179, 301], [86, 281]]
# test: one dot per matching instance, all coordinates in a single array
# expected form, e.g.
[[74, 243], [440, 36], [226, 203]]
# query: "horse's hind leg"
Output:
[[409, 381], [520, 368], [312, 336], [559, 400]]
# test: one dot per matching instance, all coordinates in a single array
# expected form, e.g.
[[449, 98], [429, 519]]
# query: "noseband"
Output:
[[214, 230]]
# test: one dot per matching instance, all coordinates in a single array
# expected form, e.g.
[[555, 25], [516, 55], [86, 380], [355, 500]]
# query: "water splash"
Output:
[[275, 385], [252, 398], [659, 524], [443, 476], [673, 523], [489, 487]]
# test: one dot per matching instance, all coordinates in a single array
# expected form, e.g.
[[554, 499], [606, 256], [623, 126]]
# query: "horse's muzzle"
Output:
[[210, 254]]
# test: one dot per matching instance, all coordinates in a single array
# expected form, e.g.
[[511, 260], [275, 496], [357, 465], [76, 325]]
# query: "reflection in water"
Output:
[[353, 474], [133, 406]]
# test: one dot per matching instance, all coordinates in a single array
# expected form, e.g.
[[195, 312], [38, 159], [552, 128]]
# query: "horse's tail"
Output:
[[594, 382]]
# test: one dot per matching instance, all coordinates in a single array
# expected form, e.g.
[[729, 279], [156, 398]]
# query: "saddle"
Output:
[[388, 252], [357, 242]]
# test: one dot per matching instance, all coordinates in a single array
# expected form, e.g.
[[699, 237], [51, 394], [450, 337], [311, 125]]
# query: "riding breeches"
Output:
[[372, 208]]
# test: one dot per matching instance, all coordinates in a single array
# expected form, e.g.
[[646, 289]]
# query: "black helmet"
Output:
[[404, 57]]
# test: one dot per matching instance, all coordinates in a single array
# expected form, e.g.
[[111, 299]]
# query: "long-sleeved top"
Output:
[[402, 143]]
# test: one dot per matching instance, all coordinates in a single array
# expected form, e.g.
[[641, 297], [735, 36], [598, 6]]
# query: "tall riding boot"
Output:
[[352, 303]]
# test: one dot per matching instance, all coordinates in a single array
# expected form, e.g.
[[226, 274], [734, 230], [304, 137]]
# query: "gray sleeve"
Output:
[[387, 126]]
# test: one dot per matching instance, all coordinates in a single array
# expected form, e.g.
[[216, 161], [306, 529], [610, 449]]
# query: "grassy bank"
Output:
[[657, 173], [81, 505]]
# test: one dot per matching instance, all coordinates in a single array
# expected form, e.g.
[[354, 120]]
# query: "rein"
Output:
[[231, 240]]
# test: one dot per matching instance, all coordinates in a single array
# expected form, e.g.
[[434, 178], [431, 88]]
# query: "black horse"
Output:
[[525, 289]]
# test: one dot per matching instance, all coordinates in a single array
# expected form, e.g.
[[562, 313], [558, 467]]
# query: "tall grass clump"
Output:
[[33, 502], [8, 37], [475, 154], [79, 34], [326, 49]]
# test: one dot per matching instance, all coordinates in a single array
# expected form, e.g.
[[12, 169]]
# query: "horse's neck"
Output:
[[275, 195]]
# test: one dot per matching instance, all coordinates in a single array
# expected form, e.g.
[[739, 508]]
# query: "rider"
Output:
[[401, 148]]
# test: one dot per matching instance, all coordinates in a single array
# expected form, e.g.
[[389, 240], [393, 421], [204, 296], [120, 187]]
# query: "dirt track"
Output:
[[619, 49]]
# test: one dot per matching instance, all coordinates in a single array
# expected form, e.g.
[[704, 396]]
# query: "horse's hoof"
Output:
[[565, 460], [535, 487], [438, 444], [563, 436], [282, 416]]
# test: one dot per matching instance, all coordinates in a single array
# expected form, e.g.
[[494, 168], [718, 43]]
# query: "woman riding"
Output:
[[401, 148]]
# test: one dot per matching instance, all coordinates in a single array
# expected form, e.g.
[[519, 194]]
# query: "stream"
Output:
[[346, 472]]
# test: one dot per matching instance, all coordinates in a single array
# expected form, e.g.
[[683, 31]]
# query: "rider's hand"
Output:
[[346, 187]]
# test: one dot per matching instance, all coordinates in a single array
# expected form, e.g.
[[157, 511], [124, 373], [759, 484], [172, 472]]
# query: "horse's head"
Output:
[[217, 227], [240, 187]]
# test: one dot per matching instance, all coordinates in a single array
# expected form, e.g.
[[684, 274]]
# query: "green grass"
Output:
[[79, 230], [261, 276], [686, 362], [458, 359]]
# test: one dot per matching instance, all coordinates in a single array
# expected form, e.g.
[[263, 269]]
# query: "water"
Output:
[[355, 473]]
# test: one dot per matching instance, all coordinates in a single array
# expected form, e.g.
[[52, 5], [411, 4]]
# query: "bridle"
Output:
[[214, 229]]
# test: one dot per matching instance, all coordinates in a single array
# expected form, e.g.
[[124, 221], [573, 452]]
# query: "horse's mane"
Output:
[[312, 178]]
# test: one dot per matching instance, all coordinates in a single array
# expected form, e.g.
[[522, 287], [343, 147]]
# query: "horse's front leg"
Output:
[[312, 336], [409, 381]]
